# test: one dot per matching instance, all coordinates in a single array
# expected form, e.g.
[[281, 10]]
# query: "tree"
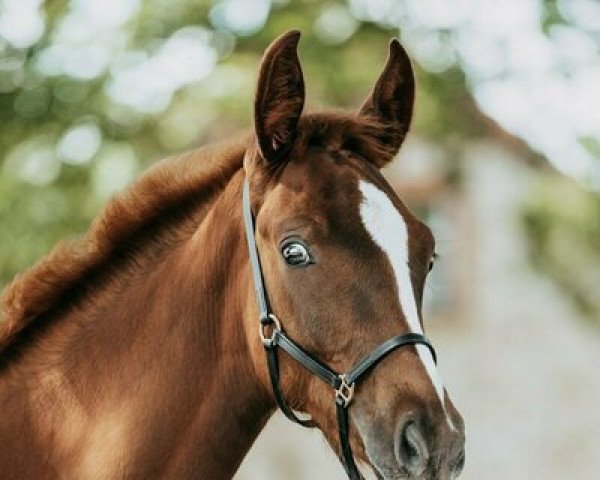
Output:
[[92, 92]]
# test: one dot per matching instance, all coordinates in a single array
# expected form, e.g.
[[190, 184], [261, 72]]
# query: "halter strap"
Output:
[[259, 285], [373, 358], [264, 310], [342, 383]]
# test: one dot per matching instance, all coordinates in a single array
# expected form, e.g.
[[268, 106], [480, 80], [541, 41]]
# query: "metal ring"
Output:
[[275, 326], [345, 392]]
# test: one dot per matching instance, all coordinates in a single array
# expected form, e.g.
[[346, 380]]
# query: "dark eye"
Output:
[[296, 254]]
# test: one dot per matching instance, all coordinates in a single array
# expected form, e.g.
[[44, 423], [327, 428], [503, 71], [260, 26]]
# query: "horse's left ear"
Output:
[[279, 98], [391, 101]]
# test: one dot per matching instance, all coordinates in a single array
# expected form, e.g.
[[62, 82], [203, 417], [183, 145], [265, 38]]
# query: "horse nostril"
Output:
[[411, 449]]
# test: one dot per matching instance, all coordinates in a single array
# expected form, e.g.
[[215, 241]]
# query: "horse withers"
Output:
[[138, 351]]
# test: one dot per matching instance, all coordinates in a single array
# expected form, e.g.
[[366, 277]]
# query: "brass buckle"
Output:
[[275, 327], [345, 392]]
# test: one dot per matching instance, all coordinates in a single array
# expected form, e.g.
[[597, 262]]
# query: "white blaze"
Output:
[[388, 230]]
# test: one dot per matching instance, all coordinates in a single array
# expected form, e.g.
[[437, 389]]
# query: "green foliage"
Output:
[[46, 197], [551, 15], [51, 185], [562, 223]]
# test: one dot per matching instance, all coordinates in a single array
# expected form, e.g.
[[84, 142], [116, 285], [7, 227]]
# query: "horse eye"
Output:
[[296, 254]]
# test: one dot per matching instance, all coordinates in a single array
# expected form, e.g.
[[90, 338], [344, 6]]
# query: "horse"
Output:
[[136, 350]]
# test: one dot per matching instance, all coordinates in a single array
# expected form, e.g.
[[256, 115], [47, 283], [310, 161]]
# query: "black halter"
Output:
[[342, 383]]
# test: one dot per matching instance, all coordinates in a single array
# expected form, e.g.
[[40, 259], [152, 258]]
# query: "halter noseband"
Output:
[[343, 384]]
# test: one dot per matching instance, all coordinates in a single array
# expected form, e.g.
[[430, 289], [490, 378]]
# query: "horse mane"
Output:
[[148, 206], [157, 200]]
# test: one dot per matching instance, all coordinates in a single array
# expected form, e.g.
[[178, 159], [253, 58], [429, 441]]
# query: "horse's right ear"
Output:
[[279, 98]]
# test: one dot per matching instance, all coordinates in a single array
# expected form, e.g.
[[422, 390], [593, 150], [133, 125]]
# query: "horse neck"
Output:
[[163, 360]]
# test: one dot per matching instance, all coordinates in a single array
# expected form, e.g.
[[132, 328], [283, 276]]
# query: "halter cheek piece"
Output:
[[272, 336]]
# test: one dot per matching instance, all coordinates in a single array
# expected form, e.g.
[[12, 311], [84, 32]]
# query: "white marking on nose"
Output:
[[389, 231]]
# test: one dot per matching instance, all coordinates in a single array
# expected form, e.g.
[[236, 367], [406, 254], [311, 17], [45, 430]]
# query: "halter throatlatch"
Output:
[[272, 337]]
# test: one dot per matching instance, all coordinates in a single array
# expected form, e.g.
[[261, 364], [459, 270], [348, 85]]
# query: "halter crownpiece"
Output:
[[273, 336]]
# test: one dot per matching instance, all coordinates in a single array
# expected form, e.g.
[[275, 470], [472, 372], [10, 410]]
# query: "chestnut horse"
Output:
[[134, 352]]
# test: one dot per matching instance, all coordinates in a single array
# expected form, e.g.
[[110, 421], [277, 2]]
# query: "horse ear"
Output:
[[391, 101], [279, 98]]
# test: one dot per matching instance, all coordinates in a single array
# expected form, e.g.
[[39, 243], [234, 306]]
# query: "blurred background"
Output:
[[503, 162]]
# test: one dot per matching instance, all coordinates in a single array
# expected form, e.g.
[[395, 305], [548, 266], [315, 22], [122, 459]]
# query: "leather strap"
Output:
[[297, 353], [355, 373], [264, 310], [259, 286], [373, 358], [273, 364], [344, 434], [362, 367]]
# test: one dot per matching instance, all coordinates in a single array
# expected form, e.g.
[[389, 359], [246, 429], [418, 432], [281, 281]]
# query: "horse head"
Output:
[[345, 263]]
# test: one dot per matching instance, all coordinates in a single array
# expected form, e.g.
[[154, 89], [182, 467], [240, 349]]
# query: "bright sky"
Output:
[[542, 88]]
